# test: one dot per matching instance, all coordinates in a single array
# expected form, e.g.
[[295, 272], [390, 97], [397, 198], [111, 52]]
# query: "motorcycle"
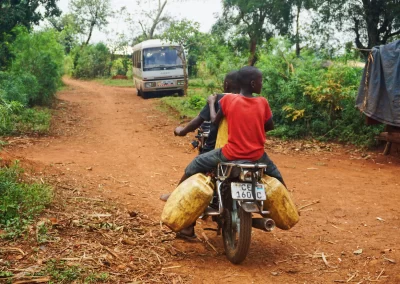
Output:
[[238, 195]]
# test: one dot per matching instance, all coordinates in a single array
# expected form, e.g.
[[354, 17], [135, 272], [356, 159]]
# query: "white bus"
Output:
[[157, 68]]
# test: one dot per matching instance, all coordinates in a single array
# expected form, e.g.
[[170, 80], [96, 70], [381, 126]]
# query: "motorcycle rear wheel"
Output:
[[237, 237]]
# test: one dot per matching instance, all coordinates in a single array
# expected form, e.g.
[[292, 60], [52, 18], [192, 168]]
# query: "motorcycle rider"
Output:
[[248, 119]]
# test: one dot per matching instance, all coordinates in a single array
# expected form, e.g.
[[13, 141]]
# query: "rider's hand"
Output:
[[211, 99], [178, 131]]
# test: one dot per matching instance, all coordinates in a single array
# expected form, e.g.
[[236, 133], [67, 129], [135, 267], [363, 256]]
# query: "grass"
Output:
[[190, 105], [15, 119], [20, 202], [116, 83]]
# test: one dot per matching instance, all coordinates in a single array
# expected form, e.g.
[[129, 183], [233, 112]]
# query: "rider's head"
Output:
[[231, 83], [250, 79]]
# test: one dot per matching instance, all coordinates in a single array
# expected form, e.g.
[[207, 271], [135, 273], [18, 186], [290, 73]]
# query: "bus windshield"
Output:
[[160, 58]]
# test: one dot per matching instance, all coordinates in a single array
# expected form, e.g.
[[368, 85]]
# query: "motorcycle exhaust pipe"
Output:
[[265, 224]]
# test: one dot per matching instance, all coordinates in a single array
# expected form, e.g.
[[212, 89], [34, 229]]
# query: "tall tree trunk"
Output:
[[90, 33], [157, 19], [297, 29], [253, 49]]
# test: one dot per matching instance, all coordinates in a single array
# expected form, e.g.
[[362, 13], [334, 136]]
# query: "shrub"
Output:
[[91, 61], [117, 67], [40, 55], [310, 100], [20, 202], [16, 119], [68, 65], [20, 87]]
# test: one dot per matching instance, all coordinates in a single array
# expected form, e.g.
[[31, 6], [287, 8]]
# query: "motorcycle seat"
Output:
[[245, 164]]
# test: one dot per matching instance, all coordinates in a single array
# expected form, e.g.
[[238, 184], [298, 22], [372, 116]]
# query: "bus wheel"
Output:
[[137, 92], [145, 95]]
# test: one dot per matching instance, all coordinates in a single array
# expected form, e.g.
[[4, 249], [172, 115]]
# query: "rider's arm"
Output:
[[269, 125], [217, 118], [214, 116], [190, 127]]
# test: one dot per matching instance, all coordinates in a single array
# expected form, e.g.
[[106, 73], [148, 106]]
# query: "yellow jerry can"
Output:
[[279, 203], [222, 136], [187, 202]]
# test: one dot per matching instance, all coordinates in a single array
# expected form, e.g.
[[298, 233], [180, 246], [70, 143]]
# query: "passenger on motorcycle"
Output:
[[248, 119], [231, 85]]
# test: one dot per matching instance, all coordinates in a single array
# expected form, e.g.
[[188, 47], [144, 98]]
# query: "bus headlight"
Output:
[[150, 84], [180, 82]]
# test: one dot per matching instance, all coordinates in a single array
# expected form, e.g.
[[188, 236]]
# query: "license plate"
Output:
[[242, 191], [165, 83]]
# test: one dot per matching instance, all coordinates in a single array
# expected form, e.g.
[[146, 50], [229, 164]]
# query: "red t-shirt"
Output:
[[246, 118]]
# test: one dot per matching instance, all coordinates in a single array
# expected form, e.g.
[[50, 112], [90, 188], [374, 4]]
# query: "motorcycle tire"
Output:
[[237, 242]]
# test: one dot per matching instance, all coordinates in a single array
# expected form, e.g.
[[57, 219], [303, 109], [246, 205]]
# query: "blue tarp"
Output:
[[379, 91]]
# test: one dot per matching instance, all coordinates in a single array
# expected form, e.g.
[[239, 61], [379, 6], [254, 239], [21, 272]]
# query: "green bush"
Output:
[[20, 87], [91, 61], [20, 202], [40, 55], [17, 119], [310, 100], [68, 65], [129, 73], [117, 67]]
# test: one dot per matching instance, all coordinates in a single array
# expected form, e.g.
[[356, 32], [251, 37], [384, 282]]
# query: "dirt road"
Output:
[[108, 134]]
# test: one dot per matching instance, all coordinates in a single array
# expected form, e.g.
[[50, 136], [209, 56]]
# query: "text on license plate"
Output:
[[243, 191], [165, 83]]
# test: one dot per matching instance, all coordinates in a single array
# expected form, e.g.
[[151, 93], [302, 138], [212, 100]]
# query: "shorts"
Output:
[[206, 162]]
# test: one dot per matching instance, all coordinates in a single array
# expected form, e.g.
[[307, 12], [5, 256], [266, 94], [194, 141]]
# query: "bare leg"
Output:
[[164, 197]]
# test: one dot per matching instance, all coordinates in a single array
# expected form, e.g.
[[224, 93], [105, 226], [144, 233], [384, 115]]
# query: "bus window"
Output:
[[157, 58]]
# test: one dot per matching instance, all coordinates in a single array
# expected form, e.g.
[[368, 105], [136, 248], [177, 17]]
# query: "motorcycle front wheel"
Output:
[[236, 233]]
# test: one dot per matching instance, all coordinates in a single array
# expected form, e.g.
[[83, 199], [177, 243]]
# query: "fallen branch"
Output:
[[380, 274], [37, 280], [312, 203], [351, 278], [112, 253], [12, 249], [86, 198], [326, 262], [206, 239], [171, 267]]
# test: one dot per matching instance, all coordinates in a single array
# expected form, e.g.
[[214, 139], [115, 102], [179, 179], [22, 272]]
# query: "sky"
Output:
[[202, 11]]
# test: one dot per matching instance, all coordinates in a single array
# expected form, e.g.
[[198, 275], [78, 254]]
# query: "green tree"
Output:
[[154, 19], [298, 6], [187, 34], [258, 20], [41, 55], [90, 14], [20, 12], [68, 28], [373, 22], [91, 61]]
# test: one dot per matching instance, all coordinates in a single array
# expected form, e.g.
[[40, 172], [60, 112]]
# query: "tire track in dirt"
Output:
[[122, 147]]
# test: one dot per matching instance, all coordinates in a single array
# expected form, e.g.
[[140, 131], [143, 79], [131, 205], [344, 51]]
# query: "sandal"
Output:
[[182, 236]]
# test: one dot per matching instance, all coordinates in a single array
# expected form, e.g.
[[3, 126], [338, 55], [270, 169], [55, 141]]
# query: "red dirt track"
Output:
[[110, 134]]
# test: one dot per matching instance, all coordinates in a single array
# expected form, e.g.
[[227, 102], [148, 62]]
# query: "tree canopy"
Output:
[[373, 22], [258, 20], [90, 14], [20, 12]]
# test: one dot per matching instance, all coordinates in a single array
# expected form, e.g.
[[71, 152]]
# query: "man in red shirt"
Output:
[[248, 119]]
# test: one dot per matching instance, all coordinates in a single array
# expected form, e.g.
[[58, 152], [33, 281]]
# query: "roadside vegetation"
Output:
[[21, 202]]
